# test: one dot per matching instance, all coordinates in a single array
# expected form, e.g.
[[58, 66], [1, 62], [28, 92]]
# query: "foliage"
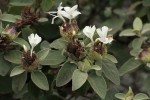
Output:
[[44, 58]]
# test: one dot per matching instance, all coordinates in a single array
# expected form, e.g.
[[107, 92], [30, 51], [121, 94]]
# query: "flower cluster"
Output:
[[66, 12], [102, 32]]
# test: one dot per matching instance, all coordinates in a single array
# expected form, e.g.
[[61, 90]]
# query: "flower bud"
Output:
[[10, 32], [5, 44], [69, 30], [145, 55], [129, 95]]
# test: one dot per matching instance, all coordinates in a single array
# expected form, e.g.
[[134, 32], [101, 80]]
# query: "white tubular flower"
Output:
[[89, 32], [70, 13], [58, 13], [34, 39], [103, 35]]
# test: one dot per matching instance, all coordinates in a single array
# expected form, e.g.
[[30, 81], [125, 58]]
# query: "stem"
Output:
[[31, 51], [70, 21]]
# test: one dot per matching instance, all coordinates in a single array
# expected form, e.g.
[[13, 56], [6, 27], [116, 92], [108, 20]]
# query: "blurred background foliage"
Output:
[[116, 14]]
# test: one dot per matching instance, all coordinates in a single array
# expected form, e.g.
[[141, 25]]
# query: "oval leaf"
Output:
[[129, 65], [127, 32], [141, 96], [78, 79], [14, 56], [120, 96], [59, 43], [9, 18], [111, 58], [4, 66], [65, 74], [17, 70], [137, 24], [53, 58], [110, 70], [98, 84], [146, 28], [22, 42], [40, 80], [19, 81], [42, 54]]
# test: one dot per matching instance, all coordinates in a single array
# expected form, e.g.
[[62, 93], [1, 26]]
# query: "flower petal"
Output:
[[67, 9], [89, 32], [105, 30], [34, 39], [65, 14], [76, 13], [73, 8]]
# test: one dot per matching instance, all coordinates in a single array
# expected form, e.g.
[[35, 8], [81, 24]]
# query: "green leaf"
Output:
[[147, 84], [9, 18], [137, 24], [26, 31], [111, 58], [137, 43], [59, 43], [84, 65], [19, 81], [78, 79], [42, 54], [53, 58], [110, 70], [40, 80], [14, 56], [4, 66], [44, 45], [146, 28], [141, 96], [127, 32], [21, 2], [146, 3], [17, 70], [129, 65], [96, 67], [98, 84], [111, 94], [120, 96], [65, 74], [22, 42], [46, 5], [135, 52]]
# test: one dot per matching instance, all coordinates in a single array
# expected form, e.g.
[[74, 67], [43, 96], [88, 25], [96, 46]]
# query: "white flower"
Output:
[[34, 40], [70, 13], [58, 13], [89, 32], [103, 35]]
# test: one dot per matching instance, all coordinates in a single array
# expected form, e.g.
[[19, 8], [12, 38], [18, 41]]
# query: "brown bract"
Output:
[[5, 44], [100, 48], [29, 63], [30, 16], [75, 51], [69, 30]]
